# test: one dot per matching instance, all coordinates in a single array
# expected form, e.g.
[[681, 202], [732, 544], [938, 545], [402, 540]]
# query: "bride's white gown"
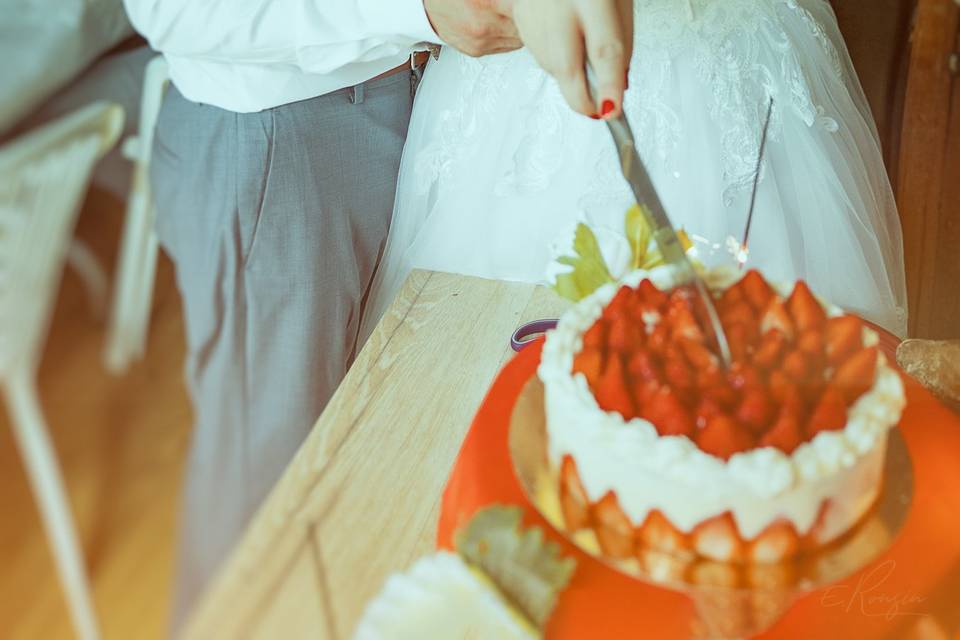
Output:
[[497, 169]]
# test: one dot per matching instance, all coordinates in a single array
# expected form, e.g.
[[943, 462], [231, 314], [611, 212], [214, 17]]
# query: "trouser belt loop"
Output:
[[356, 94], [416, 74]]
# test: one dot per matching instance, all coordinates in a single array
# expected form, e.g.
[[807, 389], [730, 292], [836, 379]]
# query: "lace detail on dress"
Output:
[[481, 84], [540, 152], [731, 44], [728, 41], [818, 32]]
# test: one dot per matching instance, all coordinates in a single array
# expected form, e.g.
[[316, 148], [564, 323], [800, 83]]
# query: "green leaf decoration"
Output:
[[638, 235], [589, 272], [527, 569]]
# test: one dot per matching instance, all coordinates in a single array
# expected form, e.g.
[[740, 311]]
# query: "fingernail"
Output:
[[595, 116], [607, 107]]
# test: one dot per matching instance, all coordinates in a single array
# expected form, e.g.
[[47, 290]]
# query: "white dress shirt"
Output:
[[250, 55]]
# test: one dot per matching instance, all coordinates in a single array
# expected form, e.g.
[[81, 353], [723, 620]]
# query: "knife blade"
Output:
[[656, 216]]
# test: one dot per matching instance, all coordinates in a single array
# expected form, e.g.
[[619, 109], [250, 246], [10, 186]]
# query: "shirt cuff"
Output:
[[408, 18]]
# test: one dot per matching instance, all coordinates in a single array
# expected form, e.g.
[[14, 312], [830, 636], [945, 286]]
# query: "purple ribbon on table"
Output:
[[528, 332]]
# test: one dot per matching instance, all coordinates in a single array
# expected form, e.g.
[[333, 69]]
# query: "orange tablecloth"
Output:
[[881, 601]]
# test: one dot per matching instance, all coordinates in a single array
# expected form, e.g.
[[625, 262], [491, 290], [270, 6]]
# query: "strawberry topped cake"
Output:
[[659, 446]]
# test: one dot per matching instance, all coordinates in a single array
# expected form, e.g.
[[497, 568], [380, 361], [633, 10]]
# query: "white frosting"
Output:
[[438, 598], [672, 474]]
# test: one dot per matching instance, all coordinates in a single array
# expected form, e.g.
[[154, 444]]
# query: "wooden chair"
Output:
[[136, 270], [43, 179]]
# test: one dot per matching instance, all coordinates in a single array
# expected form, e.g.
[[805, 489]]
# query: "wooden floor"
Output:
[[121, 443]]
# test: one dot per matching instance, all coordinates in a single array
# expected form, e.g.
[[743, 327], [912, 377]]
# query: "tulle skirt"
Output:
[[497, 170]]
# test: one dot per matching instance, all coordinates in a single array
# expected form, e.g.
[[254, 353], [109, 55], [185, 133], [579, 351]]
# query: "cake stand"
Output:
[[724, 611], [914, 581]]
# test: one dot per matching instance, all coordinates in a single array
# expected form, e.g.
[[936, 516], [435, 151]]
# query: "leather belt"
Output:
[[417, 59]]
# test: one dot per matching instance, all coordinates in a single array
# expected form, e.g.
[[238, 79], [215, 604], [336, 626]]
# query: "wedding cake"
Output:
[[659, 447]]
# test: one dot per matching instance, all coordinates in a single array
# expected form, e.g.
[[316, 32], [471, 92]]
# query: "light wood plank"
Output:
[[275, 533], [404, 451], [379, 456], [296, 605]]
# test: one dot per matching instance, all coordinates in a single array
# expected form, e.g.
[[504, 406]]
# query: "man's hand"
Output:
[[563, 34], [475, 27]]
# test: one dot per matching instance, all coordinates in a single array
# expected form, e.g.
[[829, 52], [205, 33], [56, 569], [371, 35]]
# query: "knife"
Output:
[[656, 216]]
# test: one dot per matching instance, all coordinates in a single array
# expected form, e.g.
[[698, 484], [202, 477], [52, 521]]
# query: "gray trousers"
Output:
[[275, 222]]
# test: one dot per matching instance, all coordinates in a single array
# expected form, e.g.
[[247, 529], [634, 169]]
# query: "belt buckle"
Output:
[[432, 49]]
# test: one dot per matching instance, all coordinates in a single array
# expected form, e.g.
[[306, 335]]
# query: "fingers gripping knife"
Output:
[[663, 232]]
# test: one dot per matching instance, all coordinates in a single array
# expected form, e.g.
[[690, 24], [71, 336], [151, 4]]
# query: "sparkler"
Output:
[[743, 251]]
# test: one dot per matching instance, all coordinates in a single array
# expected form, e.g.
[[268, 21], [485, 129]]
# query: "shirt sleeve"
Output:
[[318, 36]]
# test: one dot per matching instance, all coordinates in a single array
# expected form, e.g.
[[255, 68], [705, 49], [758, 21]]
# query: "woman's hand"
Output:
[[564, 34]]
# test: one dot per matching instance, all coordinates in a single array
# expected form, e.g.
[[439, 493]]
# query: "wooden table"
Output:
[[360, 500]]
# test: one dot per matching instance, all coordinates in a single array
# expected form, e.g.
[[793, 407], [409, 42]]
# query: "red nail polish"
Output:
[[595, 116], [607, 107]]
